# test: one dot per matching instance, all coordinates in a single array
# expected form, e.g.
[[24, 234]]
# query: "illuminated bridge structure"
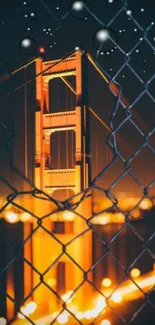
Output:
[[43, 249]]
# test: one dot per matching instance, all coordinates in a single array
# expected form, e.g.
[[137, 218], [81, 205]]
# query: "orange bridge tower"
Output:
[[45, 248]]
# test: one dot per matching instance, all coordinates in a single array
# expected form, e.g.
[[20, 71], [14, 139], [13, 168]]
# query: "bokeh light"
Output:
[[135, 273], [28, 46], [106, 282]]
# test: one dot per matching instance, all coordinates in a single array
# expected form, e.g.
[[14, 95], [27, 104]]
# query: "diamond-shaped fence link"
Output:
[[118, 286]]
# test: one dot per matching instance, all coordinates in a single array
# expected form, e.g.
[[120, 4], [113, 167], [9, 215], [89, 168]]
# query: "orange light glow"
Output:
[[68, 215], [52, 282], [102, 219], [42, 50], [135, 273], [106, 282], [136, 214], [105, 322], [145, 204], [73, 309], [25, 217], [130, 291], [11, 217], [117, 297]]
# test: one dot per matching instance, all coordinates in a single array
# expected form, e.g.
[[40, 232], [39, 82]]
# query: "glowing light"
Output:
[[95, 313], [73, 309], [27, 310], [135, 273], [100, 304], [110, 1], [23, 310], [106, 282], [3, 321], [63, 318], [102, 35], [11, 217], [116, 297], [88, 314], [78, 5], [66, 296], [26, 42], [136, 214], [129, 12], [79, 315], [102, 219], [68, 215], [145, 204], [25, 217], [142, 9], [42, 50], [30, 308], [52, 282], [105, 322], [33, 15]]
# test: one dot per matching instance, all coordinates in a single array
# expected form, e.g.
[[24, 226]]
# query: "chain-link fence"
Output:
[[43, 278]]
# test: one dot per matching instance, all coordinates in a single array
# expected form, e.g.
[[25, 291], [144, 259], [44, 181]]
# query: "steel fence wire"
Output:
[[107, 310]]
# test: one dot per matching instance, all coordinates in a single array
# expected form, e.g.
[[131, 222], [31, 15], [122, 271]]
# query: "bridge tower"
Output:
[[49, 180]]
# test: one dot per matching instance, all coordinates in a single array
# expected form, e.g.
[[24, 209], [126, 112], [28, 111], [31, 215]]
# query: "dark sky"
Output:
[[58, 28]]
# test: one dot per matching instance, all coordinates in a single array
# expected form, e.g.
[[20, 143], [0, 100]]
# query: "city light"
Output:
[[88, 314], [3, 321], [106, 282], [66, 296], [68, 215], [25, 217], [79, 315], [11, 217], [27, 310], [146, 204], [100, 304], [63, 318], [136, 214], [117, 297], [105, 322], [135, 273]]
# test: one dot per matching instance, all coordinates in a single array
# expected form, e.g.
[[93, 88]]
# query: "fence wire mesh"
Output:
[[121, 302]]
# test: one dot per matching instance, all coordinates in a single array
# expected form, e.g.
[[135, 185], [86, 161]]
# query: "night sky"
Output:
[[60, 27], [127, 58]]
